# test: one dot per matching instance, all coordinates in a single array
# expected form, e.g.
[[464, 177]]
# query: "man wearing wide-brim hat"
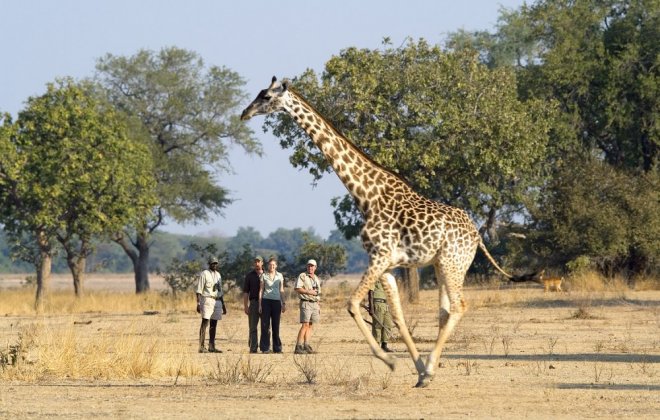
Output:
[[210, 304]]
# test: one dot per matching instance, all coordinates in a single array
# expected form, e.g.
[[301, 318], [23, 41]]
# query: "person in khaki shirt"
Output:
[[210, 304], [308, 288]]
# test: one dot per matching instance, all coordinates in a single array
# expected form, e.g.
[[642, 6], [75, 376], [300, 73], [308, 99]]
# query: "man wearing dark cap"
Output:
[[251, 301], [210, 304]]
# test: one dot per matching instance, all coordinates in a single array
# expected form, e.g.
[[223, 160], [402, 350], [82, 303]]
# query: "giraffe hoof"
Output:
[[424, 381], [390, 361]]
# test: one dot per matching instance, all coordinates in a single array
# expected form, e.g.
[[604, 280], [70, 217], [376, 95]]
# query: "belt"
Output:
[[378, 300]]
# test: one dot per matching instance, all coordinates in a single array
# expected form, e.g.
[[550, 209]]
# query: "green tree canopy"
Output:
[[188, 113], [81, 177], [601, 62], [607, 216]]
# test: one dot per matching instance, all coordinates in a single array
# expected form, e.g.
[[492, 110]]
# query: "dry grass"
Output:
[[591, 281], [68, 352], [517, 350], [20, 301], [53, 344]]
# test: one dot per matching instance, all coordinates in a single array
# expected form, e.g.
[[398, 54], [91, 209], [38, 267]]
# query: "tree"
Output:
[[288, 242], [357, 259], [182, 274], [601, 62], [81, 175], [593, 212], [246, 236], [23, 211], [330, 258], [454, 129], [187, 112]]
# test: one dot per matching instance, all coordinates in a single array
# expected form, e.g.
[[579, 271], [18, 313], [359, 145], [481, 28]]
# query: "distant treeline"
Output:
[[108, 257]]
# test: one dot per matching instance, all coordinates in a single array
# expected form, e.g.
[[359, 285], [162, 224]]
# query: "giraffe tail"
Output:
[[521, 278]]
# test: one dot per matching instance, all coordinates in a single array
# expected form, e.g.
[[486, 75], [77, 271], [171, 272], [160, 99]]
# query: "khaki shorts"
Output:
[[309, 312], [211, 308]]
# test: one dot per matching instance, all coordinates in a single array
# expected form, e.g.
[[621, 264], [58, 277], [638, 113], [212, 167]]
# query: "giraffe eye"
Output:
[[267, 97]]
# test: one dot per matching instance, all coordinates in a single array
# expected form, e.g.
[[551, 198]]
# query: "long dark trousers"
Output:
[[253, 322], [271, 312]]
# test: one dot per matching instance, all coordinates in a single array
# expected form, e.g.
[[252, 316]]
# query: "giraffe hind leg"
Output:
[[368, 280], [452, 308]]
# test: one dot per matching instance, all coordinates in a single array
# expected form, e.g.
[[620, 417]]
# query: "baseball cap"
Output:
[[311, 262], [258, 258], [213, 260]]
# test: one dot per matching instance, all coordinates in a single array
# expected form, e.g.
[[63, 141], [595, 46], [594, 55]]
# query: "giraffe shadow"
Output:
[[569, 357], [612, 387], [576, 303]]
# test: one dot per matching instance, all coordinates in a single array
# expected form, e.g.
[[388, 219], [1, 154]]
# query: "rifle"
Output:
[[375, 318]]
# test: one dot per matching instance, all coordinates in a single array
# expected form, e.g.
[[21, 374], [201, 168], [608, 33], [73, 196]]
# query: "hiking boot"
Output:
[[386, 349], [214, 350], [308, 348], [300, 349], [203, 350]]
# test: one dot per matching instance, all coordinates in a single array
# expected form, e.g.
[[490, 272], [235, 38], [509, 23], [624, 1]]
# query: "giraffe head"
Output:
[[268, 100]]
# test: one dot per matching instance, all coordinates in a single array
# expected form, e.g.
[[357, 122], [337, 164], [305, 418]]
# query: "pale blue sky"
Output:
[[46, 39]]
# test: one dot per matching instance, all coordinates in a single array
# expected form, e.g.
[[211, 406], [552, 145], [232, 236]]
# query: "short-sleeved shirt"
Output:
[[305, 281], [251, 284], [209, 284], [272, 285]]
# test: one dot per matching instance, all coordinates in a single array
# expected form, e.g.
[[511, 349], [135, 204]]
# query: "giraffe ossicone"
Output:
[[401, 227]]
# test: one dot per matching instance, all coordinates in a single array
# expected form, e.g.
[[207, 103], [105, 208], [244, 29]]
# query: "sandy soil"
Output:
[[516, 353]]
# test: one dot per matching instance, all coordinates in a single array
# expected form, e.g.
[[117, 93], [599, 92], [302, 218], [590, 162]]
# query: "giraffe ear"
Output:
[[285, 85]]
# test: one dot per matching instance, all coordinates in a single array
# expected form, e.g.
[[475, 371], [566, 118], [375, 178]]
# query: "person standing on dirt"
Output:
[[251, 301], [308, 288], [381, 318], [271, 306], [210, 304]]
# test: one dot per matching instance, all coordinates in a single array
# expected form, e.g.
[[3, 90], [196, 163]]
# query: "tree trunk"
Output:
[[141, 266], [413, 284], [138, 252], [43, 265], [490, 226], [77, 267], [76, 259]]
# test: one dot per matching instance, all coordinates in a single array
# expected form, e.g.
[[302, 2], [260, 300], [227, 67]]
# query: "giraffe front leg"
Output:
[[394, 301], [354, 309]]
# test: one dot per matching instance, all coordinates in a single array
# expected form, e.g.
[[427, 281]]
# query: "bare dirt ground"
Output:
[[517, 353]]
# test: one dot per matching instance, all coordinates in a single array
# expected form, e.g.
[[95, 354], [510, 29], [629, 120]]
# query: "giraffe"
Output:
[[401, 228]]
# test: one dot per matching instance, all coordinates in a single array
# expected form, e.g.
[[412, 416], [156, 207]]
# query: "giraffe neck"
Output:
[[362, 177]]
